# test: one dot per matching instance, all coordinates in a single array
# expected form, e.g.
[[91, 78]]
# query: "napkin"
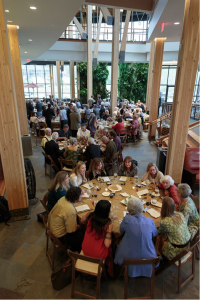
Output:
[[106, 179], [158, 204], [86, 185], [124, 194], [85, 195], [61, 148], [140, 193], [155, 214], [82, 208], [143, 183], [123, 178]]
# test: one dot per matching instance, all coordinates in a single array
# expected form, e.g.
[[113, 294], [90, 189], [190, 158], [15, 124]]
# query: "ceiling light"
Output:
[[177, 23], [17, 27], [30, 40], [33, 7], [9, 21], [6, 10], [25, 52]]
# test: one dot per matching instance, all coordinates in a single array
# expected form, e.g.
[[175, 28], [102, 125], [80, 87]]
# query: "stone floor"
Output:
[[25, 270]]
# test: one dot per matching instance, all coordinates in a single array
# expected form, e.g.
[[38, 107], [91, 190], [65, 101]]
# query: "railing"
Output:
[[166, 118]]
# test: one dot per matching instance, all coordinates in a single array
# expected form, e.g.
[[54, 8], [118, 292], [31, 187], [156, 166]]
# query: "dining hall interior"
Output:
[[99, 149]]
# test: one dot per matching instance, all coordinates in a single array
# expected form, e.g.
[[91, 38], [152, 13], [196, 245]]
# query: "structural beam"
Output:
[[123, 43], [115, 59], [150, 75], [155, 83], [72, 80], [183, 92], [97, 41], [51, 79], [136, 5], [107, 15], [80, 29], [89, 53], [58, 79], [78, 81], [17, 72], [10, 137]]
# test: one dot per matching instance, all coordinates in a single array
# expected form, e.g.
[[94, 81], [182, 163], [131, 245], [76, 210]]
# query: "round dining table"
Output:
[[128, 186]]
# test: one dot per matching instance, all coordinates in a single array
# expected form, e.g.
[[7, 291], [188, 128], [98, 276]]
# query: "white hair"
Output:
[[101, 127], [55, 136], [91, 140], [167, 178], [47, 129], [135, 206], [104, 139], [184, 189]]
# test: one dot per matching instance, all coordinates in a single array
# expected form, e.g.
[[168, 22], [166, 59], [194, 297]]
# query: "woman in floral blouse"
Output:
[[188, 208], [72, 151], [128, 168], [173, 225]]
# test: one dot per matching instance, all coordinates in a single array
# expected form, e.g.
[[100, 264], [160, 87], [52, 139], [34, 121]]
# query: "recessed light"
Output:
[[44, 44], [25, 52], [30, 40], [9, 21], [33, 7], [17, 27], [52, 25], [6, 10], [177, 23]]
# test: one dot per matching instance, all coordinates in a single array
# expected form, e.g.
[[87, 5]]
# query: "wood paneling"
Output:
[[150, 75], [183, 92], [10, 137], [17, 72], [72, 80], [89, 53], [58, 79]]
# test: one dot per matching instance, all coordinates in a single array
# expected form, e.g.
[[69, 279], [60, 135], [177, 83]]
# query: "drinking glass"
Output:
[[115, 177]]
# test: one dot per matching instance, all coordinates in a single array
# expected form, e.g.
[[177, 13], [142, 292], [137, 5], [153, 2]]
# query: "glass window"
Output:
[[172, 76], [164, 75], [40, 74], [31, 74]]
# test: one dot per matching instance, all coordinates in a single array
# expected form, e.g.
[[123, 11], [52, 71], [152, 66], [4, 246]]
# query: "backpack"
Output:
[[4, 211]]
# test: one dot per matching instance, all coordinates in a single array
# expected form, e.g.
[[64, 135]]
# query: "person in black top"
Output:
[[29, 108], [97, 169], [39, 108], [65, 132], [102, 110], [52, 149], [91, 151], [49, 113], [107, 115]]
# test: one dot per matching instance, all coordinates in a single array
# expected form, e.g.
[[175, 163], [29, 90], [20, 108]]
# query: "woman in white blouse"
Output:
[[152, 174], [78, 175]]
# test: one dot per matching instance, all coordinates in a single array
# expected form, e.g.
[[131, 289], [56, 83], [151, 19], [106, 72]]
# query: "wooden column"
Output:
[[17, 72], [183, 92], [150, 75], [10, 137], [51, 79], [72, 80], [115, 59], [78, 81], [58, 79], [155, 83], [97, 41], [89, 53], [123, 43]]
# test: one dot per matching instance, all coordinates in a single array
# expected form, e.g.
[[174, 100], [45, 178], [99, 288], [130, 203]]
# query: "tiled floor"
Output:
[[25, 270]]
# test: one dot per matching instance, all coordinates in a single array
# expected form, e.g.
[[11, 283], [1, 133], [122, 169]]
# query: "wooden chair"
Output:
[[86, 265], [64, 162], [120, 158], [180, 260], [128, 262], [44, 202], [55, 126], [42, 127], [122, 136], [49, 161], [113, 160]]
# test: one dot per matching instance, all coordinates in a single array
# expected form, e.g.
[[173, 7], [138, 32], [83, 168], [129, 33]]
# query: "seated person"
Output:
[[33, 119], [58, 189], [137, 240], [87, 112], [47, 137], [62, 220], [83, 131], [98, 235], [97, 169], [119, 126], [188, 208], [102, 110], [113, 136], [135, 125], [123, 109], [107, 115], [152, 174], [167, 185], [104, 132], [110, 148], [72, 152], [64, 133], [93, 125], [99, 132], [128, 168], [52, 149], [127, 116], [174, 226], [77, 176], [91, 151], [96, 111]]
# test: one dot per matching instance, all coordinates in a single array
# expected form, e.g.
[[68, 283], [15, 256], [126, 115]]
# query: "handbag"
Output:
[[62, 277]]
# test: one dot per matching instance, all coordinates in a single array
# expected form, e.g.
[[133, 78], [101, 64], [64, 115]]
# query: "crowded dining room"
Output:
[[100, 107]]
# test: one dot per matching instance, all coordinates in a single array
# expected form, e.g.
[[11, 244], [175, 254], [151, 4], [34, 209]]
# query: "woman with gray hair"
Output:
[[137, 240], [167, 185], [188, 208]]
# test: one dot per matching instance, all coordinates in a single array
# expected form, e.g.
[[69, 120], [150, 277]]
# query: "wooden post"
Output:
[[58, 79], [183, 92], [78, 81], [97, 41], [115, 59], [150, 75], [10, 137], [107, 15], [155, 83], [51, 79], [72, 80], [80, 28], [17, 72], [123, 43], [89, 52]]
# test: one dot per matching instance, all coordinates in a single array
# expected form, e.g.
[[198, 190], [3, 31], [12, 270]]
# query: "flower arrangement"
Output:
[[82, 140], [110, 119]]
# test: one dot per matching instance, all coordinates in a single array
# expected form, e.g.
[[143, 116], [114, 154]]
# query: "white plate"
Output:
[[113, 190], [154, 194], [106, 194]]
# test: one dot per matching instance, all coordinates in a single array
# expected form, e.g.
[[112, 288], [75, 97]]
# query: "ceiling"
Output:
[[43, 26]]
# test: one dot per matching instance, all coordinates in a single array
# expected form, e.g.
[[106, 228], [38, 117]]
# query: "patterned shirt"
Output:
[[123, 172]]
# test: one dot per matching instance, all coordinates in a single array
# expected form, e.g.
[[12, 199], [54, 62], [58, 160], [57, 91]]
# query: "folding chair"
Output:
[[69, 163], [123, 136], [49, 161], [113, 160], [44, 202]]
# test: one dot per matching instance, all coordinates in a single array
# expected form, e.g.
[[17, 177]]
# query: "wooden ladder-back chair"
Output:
[[66, 165], [123, 136], [49, 161], [181, 259], [86, 265], [44, 202], [128, 262], [114, 160]]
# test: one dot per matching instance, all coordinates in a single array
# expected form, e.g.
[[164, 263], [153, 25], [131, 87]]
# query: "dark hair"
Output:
[[83, 124], [100, 217], [66, 126], [113, 133], [73, 194], [129, 158], [119, 120], [49, 105], [96, 162]]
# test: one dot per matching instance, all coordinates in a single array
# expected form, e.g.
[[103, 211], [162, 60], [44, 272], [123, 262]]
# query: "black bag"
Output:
[[63, 276], [135, 162], [4, 211]]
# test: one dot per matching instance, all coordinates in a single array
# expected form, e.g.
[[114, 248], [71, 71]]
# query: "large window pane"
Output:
[[164, 75], [31, 74], [40, 74], [172, 76], [47, 74]]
